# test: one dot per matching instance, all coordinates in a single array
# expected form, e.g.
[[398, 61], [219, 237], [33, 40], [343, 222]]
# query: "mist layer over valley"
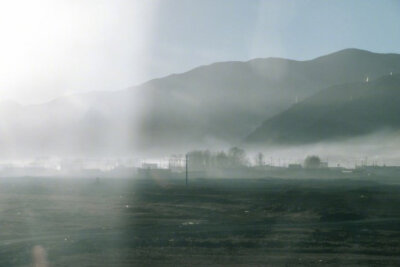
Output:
[[323, 106]]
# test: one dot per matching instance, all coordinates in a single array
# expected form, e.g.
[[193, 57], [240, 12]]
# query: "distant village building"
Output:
[[152, 171], [176, 163], [295, 166], [323, 164], [149, 166]]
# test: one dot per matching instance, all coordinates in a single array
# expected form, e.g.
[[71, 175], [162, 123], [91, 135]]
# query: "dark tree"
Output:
[[260, 159], [312, 162]]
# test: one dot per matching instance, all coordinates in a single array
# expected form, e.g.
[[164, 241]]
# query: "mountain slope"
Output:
[[343, 111], [226, 101]]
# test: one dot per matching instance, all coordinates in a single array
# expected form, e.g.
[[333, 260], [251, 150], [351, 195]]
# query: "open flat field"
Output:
[[233, 222]]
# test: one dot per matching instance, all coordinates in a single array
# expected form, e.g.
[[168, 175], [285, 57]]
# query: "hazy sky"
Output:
[[50, 48]]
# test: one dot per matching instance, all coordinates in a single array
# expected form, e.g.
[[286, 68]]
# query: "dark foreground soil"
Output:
[[212, 222]]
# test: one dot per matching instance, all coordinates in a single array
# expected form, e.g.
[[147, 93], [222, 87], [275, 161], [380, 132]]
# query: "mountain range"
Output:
[[222, 103]]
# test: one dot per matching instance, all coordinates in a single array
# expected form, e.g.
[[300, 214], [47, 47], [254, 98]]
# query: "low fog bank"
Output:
[[378, 149], [70, 167]]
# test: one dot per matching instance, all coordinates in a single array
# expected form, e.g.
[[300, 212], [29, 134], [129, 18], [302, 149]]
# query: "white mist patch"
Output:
[[380, 148]]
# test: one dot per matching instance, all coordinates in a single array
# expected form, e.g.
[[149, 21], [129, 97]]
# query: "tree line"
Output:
[[204, 159], [235, 157]]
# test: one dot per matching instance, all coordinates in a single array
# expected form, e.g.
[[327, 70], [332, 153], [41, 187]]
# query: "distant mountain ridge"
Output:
[[227, 101], [221, 103]]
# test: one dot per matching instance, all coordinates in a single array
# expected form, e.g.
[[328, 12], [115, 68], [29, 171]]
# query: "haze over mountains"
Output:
[[218, 104], [226, 101]]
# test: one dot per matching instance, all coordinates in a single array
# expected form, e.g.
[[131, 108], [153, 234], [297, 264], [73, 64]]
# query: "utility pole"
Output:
[[187, 157]]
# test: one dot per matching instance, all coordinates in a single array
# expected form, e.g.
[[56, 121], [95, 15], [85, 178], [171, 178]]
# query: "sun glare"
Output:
[[51, 48]]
